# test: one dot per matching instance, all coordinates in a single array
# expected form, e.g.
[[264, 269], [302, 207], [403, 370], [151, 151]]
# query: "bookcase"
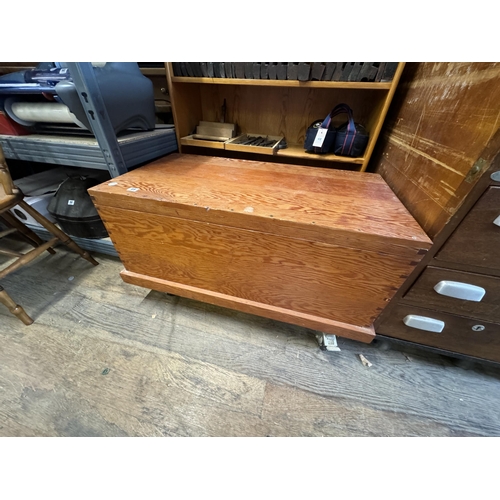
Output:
[[276, 108]]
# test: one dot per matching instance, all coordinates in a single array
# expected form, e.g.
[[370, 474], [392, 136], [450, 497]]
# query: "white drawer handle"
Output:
[[459, 290], [424, 323], [497, 221]]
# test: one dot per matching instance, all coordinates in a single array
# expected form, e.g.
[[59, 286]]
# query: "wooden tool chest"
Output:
[[316, 247]]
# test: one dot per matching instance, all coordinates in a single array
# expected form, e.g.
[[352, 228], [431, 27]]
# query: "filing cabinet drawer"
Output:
[[477, 239], [465, 294], [458, 334]]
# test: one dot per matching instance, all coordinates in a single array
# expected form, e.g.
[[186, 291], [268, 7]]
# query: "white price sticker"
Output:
[[320, 137]]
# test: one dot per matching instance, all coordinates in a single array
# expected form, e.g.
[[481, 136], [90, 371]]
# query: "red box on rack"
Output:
[[10, 127]]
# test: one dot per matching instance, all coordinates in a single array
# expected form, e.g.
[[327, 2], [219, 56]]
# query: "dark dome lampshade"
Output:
[[73, 209]]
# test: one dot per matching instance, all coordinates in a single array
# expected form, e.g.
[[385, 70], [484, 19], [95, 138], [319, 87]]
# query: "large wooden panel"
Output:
[[312, 246], [189, 96], [327, 281], [359, 333], [436, 143], [422, 294], [348, 208], [477, 240], [286, 111]]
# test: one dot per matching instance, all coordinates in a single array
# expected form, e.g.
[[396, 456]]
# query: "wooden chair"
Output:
[[10, 196]]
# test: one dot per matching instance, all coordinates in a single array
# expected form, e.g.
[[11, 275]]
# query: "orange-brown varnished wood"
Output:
[[337, 283], [278, 107], [284, 111], [362, 334], [300, 242], [14, 308], [339, 207]]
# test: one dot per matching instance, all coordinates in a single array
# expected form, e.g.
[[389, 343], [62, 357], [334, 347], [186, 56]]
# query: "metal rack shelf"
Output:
[[136, 148], [101, 151], [103, 245]]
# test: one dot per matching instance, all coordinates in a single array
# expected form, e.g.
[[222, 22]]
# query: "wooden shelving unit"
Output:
[[277, 108], [297, 151]]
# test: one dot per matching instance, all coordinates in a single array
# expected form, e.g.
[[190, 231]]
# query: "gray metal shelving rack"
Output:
[[104, 151], [73, 151]]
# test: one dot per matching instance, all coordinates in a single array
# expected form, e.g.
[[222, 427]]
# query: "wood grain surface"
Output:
[[177, 367], [359, 333], [433, 147], [319, 204], [285, 111], [332, 282], [302, 243]]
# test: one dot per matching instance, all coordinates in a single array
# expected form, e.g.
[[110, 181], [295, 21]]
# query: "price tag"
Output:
[[71, 202], [320, 137]]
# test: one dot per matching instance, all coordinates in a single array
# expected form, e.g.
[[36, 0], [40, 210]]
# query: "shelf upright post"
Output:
[[89, 93]]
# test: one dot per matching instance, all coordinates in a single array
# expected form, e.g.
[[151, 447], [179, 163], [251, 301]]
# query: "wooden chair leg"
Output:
[[63, 237], [31, 237], [14, 308]]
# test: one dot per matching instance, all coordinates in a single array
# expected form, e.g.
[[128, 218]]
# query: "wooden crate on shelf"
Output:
[[191, 140], [272, 149], [234, 144]]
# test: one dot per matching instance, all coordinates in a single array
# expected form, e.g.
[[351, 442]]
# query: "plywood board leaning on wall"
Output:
[[439, 137]]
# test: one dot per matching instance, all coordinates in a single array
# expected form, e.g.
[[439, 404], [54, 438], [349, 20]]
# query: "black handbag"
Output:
[[312, 132], [351, 138]]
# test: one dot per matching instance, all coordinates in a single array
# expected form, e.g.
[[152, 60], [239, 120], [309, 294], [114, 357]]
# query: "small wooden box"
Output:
[[191, 140], [316, 247], [234, 144]]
